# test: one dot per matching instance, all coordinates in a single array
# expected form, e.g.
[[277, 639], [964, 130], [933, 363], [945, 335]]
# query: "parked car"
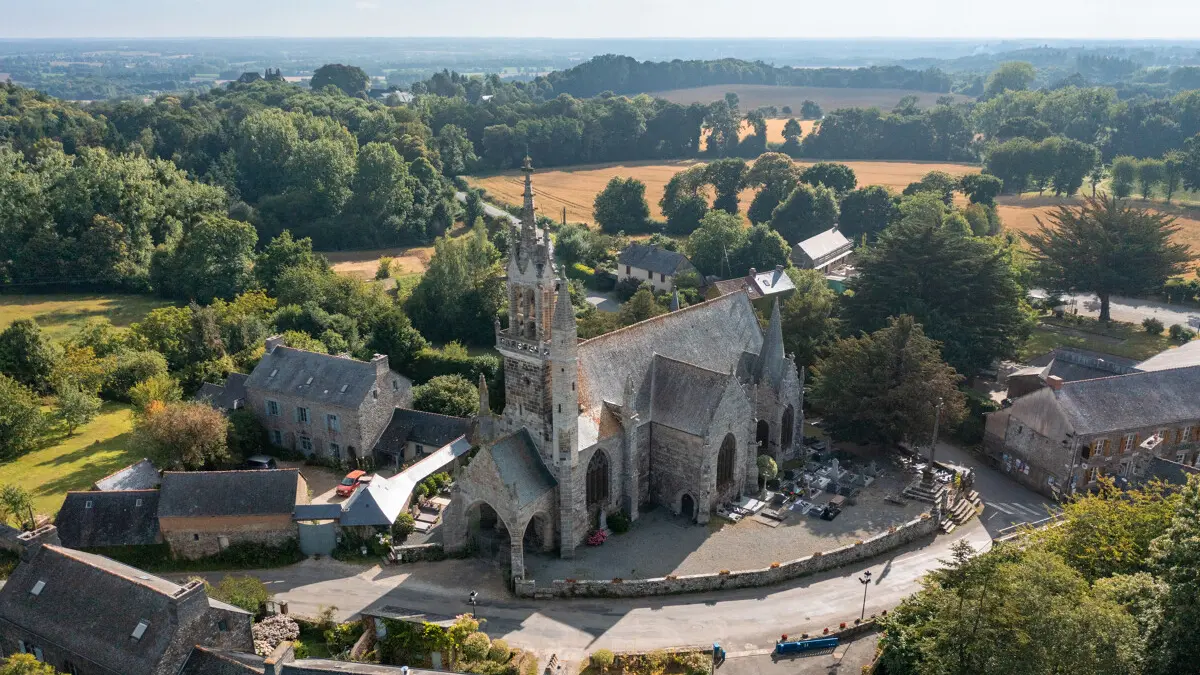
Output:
[[351, 482], [260, 462]]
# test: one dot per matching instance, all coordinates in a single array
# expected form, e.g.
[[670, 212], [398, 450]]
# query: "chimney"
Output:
[[284, 653], [273, 342], [32, 540], [1054, 382], [381, 364]]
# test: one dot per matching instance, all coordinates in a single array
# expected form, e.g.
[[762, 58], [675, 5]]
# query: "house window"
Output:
[[1181, 457], [335, 450], [37, 654], [650, 275], [273, 408], [1127, 442], [195, 537], [662, 277], [375, 394], [70, 668], [331, 422], [306, 444], [420, 450], [1162, 436], [627, 272], [276, 437], [223, 626], [1186, 435], [395, 385], [302, 415]]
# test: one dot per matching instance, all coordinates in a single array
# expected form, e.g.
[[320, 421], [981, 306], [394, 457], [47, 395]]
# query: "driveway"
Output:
[[603, 301], [490, 210], [1133, 310]]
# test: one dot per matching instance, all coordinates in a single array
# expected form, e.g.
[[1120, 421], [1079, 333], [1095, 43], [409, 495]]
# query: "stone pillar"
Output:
[[518, 556], [454, 523], [566, 509], [629, 470], [708, 487], [547, 534]]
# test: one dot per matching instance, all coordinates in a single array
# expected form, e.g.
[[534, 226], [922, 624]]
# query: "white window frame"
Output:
[[302, 415], [306, 443], [1127, 442], [1187, 434], [272, 408], [332, 423], [277, 438], [335, 449]]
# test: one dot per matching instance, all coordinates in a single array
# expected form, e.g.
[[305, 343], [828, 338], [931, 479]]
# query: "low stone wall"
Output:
[[419, 552], [926, 525]]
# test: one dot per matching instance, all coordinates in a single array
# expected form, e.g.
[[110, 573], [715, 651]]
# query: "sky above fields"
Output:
[[601, 18]]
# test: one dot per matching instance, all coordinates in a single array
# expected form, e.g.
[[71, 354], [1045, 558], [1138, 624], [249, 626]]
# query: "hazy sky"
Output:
[[603, 18]]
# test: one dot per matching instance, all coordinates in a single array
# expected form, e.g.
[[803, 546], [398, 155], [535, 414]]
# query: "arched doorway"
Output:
[[487, 531], [725, 463], [687, 507], [762, 435], [787, 427], [536, 535]]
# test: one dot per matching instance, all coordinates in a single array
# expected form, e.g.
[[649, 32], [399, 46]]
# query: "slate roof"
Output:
[[293, 368], [520, 467], [378, 503], [228, 493], [685, 396], [654, 259], [228, 396], [112, 518], [210, 661], [91, 605], [1167, 471], [420, 427], [139, 476], [823, 248], [712, 335], [1177, 357], [1133, 401]]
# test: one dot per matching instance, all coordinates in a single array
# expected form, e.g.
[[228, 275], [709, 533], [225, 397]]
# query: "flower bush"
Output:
[[596, 538], [273, 630]]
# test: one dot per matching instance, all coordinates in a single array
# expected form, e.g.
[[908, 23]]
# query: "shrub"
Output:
[[385, 268], [343, 636], [603, 659], [499, 651], [581, 272], [1180, 334], [1153, 326], [246, 592], [696, 663], [127, 367], [476, 646], [403, 526], [625, 288], [619, 522], [273, 630]]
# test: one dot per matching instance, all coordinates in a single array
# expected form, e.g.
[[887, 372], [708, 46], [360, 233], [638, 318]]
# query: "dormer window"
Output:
[[139, 630], [87, 504], [274, 373], [395, 385], [137, 502]]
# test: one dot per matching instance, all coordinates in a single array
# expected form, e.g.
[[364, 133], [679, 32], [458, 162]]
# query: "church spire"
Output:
[[675, 300], [485, 407], [564, 311], [528, 216], [771, 359]]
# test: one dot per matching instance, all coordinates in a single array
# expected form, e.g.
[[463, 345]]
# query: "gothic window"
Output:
[[597, 478], [788, 425], [725, 462], [762, 435]]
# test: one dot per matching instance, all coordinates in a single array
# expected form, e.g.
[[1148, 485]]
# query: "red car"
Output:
[[351, 482]]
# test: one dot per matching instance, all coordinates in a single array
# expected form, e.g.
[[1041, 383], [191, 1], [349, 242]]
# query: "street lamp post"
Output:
[[865, 580], [473, 600], [928, 477]]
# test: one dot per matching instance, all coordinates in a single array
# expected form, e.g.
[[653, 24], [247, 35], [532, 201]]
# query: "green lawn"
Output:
[[61, 314], [61, 464], [1118, 339]]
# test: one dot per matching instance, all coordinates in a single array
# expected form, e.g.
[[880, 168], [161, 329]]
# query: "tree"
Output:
[[1124, 171], [712, 247], [214, 259], [127, 367], [159, 388], [963, 289], [191, 435], [285, 253], [1009, 76], [350, 79], [460, 293], [1172, 179], [809, 110], [16, 505], [1105, 246], [456, 151], [1097, 174], [247, 592], [26, 355], [25, 664], [806, 212], [939, 183], [392, 333], [808, 317], [762, 249], [792, 133], [867, 211], [767, 468], [833, 175], [75, 407], [1072, 160], [883, 386], [682, 202], [622, 206], [640, 307], [452, 395], [1150, 172], [1176, 557], [727, 178], [1191, 163], [775, 175], [20, 418], [981, 188]]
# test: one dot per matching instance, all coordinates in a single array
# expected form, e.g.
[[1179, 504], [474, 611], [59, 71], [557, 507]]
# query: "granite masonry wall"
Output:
[[699, 583]]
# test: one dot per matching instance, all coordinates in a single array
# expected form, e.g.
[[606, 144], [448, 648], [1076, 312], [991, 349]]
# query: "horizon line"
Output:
[[611, 37]]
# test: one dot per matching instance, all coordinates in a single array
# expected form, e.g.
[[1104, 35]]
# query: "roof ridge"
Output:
[[115, 492], [690, 364], [258, 472], [679, 312], [128, 467], [1075, 383], [426, 412], [70, 553]]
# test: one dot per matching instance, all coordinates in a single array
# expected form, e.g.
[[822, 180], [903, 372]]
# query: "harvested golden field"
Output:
[[751, 96], [363, 264], [575, 188], [1020, 213], [774, 131]]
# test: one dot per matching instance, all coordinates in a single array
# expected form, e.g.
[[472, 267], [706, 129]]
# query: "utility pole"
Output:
[[928, 477]]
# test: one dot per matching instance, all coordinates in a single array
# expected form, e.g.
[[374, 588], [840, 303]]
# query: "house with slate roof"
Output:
[[86, 614], [201, 513], [112, 518], [647, 263], [822, 251], [138, 476], [414, 434], [763, 288], [1063, 438], [322, 405], [670, 411], [226, 397]]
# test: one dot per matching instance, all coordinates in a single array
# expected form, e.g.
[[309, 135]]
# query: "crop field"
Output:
[[774, 130], [575, 188], [363, 264], [751, 96], [1020, 214], [59, 315]]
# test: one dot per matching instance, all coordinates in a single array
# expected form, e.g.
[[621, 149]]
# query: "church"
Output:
[[672, 412]]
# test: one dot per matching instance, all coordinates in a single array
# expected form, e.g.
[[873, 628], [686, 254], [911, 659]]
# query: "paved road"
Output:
[[1006, 502], [1133, 310], [493, 211]]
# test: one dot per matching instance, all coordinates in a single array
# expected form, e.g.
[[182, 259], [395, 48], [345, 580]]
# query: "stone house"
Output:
[[414, 434], [201, 513], [763, 288], [226, 397], [321, 405], [85, 614], [670, 411], [823, 252], [110, 518], [1061, 439], [648, 263]]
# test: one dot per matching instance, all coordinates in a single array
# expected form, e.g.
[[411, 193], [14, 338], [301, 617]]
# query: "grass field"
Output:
[[1020, 214], [1118, 339], [576, 187], [61, 314], [751, 96], [61, 464]]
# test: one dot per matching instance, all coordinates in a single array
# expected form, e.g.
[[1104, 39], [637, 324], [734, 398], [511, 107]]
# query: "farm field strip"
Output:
[[751, 96]]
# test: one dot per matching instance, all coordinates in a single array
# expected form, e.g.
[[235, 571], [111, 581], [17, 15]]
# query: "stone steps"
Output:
[[924, 492]]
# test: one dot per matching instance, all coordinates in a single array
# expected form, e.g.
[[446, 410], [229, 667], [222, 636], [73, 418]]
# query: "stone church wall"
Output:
[[676, 466]]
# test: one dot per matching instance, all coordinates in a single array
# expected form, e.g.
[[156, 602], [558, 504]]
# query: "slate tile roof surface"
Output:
[[685, 397], [824, 244], [421, 427], [90, 605], [653, 258], [1132, 401], [520, 466], [228, 493], [293, 368], [112, 518], [208, 661], [1178, 357], [224, 396], [139, 476]]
